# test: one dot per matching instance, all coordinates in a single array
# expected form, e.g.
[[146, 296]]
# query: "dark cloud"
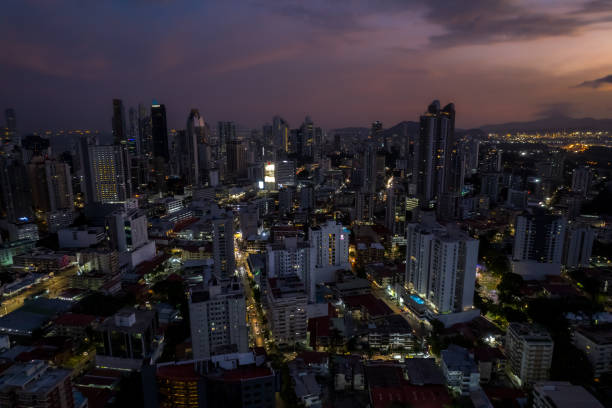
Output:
[[597, 6], [491, 21], [464, 22], [596, 83], [555, 110]]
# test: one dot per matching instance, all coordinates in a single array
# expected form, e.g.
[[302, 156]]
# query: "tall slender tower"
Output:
[[159, 129], [11, 126], [195, 134], [119, 126], [434, 150]]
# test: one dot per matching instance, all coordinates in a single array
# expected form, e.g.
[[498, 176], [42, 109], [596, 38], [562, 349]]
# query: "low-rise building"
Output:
[[35, 384], [596, 343], [80, 237], [562, 395], [460, 370], [126, 338]]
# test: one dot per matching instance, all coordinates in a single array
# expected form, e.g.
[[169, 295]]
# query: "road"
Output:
[[256, 326], [55, 285]]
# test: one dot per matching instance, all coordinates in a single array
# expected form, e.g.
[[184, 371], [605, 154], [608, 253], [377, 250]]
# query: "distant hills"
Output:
[[550, 124], [559, 123]]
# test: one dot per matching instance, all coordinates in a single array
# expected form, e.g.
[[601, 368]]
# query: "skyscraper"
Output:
[[370, 174], [119, 125], [223, 243], [441, 266], [236, 159], [133, 141], [226, 131], [51, 184], [280, 134], [120, 140], [159, 132], [15, 191], [11, 126], [434, 151], [395, 214], [581, 180], [195, 135], [217, 314], [145, 135], [106, 174]]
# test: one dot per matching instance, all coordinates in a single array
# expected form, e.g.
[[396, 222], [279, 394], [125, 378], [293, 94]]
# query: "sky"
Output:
[[343, 62]]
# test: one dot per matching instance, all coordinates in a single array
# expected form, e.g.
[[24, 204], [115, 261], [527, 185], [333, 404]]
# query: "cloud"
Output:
[[462, 22], [555, 110], [596, 83]]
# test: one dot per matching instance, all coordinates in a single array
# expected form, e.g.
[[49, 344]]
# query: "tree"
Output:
[[509, 287]]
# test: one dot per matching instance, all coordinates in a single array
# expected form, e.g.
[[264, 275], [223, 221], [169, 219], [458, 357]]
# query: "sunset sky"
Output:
[[343, 62]]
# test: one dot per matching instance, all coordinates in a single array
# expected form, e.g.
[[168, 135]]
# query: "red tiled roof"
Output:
[[178, 372], [75, 319], [246, 373], [318, 327], [428, 396], [375, 306]]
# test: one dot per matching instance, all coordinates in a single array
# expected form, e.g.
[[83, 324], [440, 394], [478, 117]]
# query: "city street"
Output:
[[54, 285]]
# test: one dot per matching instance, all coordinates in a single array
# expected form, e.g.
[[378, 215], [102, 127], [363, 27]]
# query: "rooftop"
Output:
[[601, 335], [374, 306], [565, 395]]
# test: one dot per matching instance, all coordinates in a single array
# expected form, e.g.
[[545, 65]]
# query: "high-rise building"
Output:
[[395, 214], [15, 190], [284, 173], [127, 230], [159, 131], [223, 243], [226, 131], [489, 186], [119, 123], [286, 302], [292, 257], [441, 266], [434, 153], [370, 174], [538, 245], [581, 180], [280, 134], [106, 174], [578, 245], [529, 350], [310, 141], [195, 134], [145, 133], [11, 126], [330, 243], [217, 314], [51, 184], [236, 159], [133, 141]]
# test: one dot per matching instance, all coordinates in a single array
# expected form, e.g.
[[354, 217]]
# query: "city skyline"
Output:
[[345, 64]]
